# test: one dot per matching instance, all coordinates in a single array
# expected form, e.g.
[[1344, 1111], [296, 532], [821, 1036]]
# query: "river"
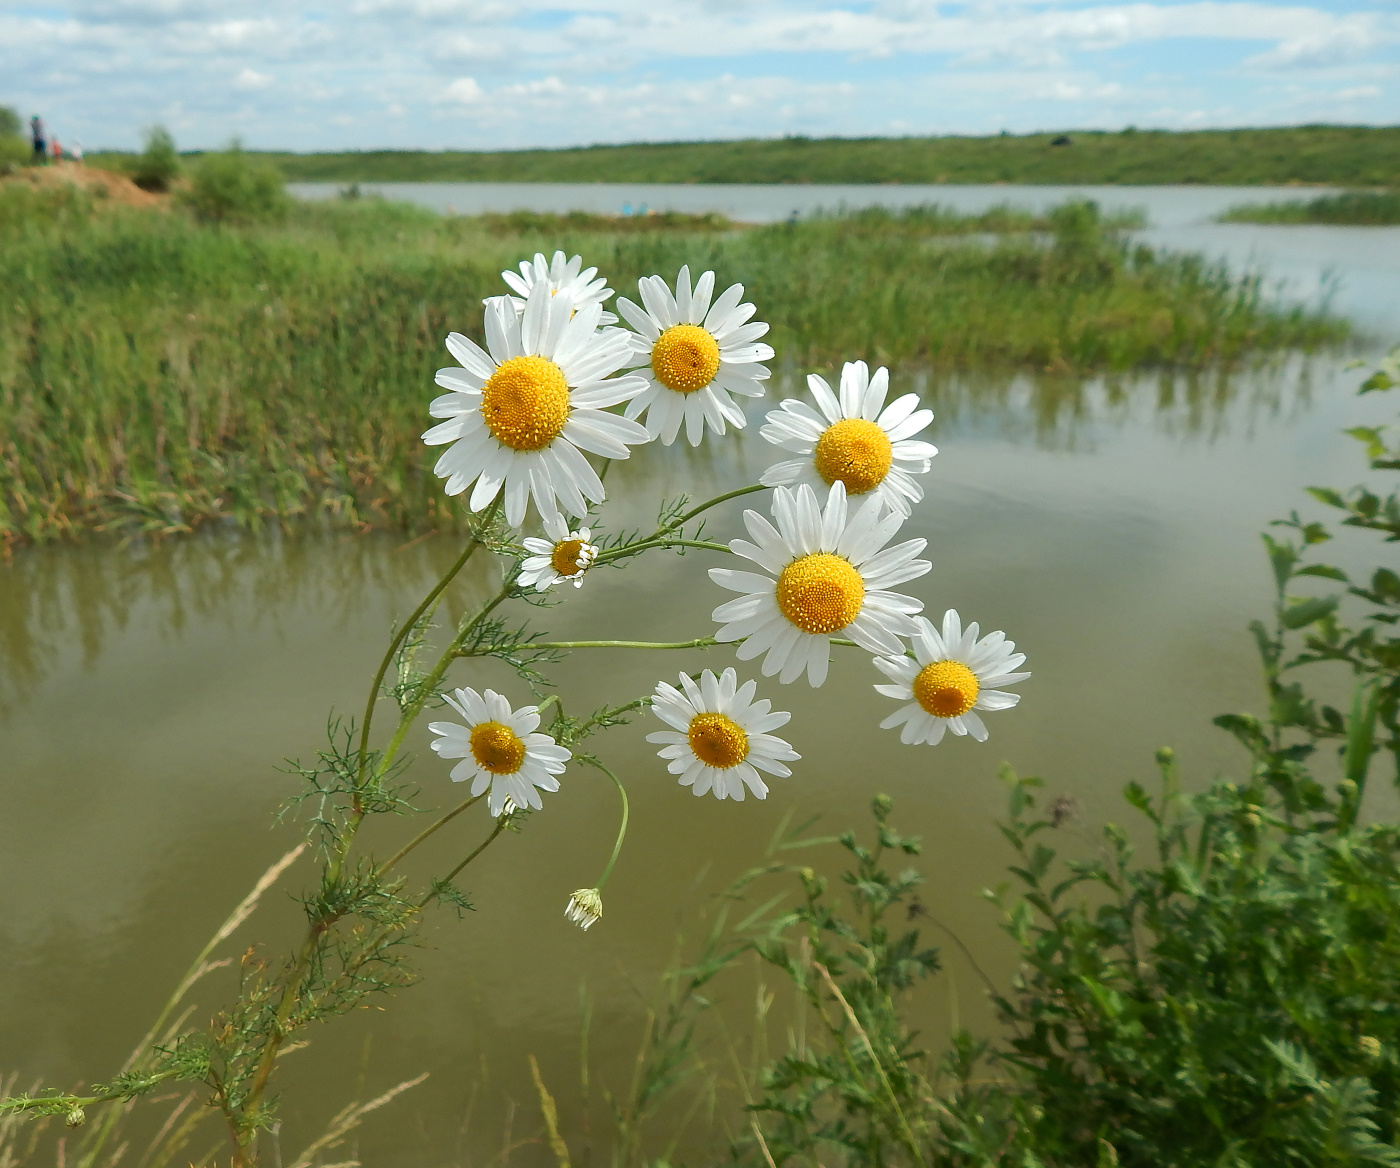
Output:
[[148, 692]]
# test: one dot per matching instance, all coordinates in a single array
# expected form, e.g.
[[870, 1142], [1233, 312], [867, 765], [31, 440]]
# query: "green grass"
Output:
[[1340, 155], [1351, 208], [156, 373]]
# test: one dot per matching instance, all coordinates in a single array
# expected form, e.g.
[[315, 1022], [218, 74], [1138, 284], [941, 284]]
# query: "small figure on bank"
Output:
[[56, 151], [41, 144], [75, 152]]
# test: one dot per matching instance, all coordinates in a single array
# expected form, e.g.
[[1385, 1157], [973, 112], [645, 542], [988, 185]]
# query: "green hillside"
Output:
[[1340, 155]]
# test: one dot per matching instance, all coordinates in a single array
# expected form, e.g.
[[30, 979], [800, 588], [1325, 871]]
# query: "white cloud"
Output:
[[1357, 93], [464, 91], [252, 79]]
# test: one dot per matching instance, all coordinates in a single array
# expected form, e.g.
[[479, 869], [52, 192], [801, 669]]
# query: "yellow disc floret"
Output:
[[946, 688], [525, 403], [497, 748], [565, 558], [685, 358], [855, 452], [820, 593], [718, 740]]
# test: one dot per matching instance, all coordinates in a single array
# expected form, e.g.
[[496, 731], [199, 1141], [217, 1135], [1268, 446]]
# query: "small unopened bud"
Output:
[[585, 907], [883, 804], [1252, 818], [77, 1117], [1370, 1046]]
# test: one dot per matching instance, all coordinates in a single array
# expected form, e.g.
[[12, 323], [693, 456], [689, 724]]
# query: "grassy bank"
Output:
[[1352, 208], [1340, 155], [156, 373]]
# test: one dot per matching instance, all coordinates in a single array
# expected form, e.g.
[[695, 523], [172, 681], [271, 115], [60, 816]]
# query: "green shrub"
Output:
[[14, 149], [231, 187], [157, 168]]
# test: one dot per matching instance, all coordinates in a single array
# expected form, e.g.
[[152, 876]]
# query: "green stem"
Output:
[[407, 627], [425, 833], [715, 502], [622, 827], [698, 643], [501, 821], [632, 549]]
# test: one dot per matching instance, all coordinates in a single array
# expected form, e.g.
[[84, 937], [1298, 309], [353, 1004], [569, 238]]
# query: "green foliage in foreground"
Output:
[[14, 147], [1342, 155], [1227, 996], [1353, 208], [156, 372]]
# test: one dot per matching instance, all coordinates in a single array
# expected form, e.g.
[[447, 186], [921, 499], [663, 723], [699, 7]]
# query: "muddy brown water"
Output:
[[148, 692]]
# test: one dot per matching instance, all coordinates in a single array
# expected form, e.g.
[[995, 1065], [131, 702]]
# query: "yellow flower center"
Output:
[[820, 593], [946, 688], [565, 557], [685, 358], [497, 748], [525, 403], [718, 740], [855, 452]]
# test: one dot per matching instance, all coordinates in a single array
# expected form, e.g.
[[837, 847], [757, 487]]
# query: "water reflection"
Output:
[[1110, 528]]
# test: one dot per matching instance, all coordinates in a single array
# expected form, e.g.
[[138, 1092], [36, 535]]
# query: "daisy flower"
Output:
[[499, 749], [693, 356], [521, 413], [856, 439], [585, 908], [565, 555], [951, 675], [563, 277], [827, 576], [719, 739]]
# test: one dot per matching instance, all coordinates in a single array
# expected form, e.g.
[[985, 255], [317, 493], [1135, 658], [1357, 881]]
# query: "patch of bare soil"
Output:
[[101, 184]]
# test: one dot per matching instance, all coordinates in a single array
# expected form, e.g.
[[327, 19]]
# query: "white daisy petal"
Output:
[[954, 678], [716, 750], [500, 750]]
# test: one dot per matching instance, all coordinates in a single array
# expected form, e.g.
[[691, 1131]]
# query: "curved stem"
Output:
[[715, 502], [407, 627], [698, 643], [501, 821], [425, 833], [622, 827], [632, 549]]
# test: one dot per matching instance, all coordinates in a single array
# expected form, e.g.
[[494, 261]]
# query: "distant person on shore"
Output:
[[75, 152], [56, 151], [41, 143]]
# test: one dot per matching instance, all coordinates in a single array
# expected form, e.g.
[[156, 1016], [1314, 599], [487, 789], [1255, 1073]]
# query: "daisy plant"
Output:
[[533, 414]]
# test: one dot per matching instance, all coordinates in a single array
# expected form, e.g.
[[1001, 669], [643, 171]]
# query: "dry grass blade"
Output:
[[551, 1116], [346, 1122]]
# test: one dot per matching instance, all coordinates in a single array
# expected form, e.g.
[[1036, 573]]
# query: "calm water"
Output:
[[147, 694], [1357, 270]]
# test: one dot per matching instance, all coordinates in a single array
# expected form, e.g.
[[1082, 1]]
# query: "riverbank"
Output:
[[1348, 209], [1326, 155], [158, 374]]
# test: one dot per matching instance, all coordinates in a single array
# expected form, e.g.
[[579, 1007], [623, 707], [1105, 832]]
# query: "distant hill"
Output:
[[1334, 155]]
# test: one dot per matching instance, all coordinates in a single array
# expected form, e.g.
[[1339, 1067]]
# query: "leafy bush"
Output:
[[157, 168], [230, 187], [14, 149]]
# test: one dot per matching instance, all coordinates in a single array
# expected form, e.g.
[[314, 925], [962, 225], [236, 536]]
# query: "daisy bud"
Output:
[[584, 908], [77, 1117]]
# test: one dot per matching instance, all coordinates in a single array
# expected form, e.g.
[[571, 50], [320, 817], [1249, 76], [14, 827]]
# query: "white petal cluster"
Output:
[[556, 473], [992, 660], [804, 528], [752, 747], [542, 569], [737, 355], [541, 758], [566, 277], [797, 427]]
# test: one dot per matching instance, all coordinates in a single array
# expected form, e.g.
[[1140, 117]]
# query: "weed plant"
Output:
[[1335, 155], [1351, 208], [156, 372], [233, 187]]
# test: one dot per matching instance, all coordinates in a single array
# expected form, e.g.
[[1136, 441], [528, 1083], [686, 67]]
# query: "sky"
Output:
[[509, 74]]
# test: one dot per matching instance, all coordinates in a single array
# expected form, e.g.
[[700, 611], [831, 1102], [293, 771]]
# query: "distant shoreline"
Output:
[[1359, 156]]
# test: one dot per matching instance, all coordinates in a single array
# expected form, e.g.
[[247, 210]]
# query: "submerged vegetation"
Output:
[[157, 372], [1351, 208], [1339, 155]]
